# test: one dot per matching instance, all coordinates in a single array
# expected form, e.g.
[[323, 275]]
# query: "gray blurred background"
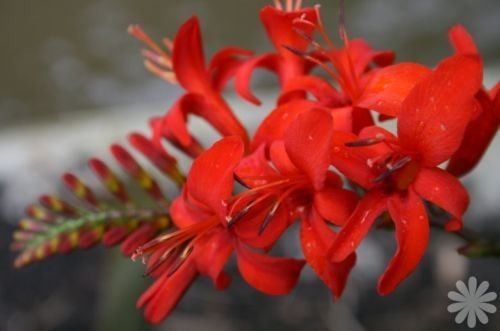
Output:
[[72, 82]]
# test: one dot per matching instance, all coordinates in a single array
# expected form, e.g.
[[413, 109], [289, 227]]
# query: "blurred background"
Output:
[[72, 82]]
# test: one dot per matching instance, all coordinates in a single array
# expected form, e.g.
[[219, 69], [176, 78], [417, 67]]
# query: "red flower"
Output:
[[296, 181], [353, 66], [203, 243], [399, 172], [203, 85]]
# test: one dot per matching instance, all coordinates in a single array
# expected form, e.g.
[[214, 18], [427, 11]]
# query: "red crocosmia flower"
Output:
[[279, 24], [399, 172], [296, 181], [353, 66], [482, 129], [203, 243], [203, 85]]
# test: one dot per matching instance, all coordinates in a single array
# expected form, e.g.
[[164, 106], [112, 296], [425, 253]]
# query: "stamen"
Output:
[[136, 31], [366, 142], [168, 43], [277, 4], [398, 165], [169, 253], [289, 5], [298, 5], [180, 260], [315, 60], [268, 217], [157, 59], [313, 42], [321, 27], [165, 75]]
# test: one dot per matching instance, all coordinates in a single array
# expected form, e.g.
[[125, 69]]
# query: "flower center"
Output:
[[295, 190]]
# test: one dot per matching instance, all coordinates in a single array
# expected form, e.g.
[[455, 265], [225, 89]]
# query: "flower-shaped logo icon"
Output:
[[472, 302]]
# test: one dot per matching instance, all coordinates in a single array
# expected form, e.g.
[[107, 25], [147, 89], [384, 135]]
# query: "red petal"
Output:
[[280, 26], [435, 114], [352, 161], [412, 233], [362, 54], [308, 144], [175, 121], [389, 87], [186, 211], [478, 136], [270, 275], [161, 130], [224, 65], [244, 74], [358, 225], [162, 297], [212, 256], [188, 59], [315, 237], [442, 189], [461, 40], [281, 160], [210, 180], [335, 204], [276, 123]]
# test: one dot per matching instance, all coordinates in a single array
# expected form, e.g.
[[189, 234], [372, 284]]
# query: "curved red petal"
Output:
[[461, 40], [175, 121], [245, 71], [443, 190], [478, 136], [357, 226], [389, 87], [188, 58], [281, 160], [210, 180], [308, 144], [225, 64], [437, 111], [412, 233], [268, 274], [315, 238]]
